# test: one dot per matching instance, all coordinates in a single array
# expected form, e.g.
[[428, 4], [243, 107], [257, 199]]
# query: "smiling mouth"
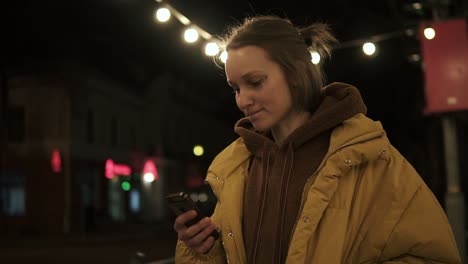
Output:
[[253, 113]]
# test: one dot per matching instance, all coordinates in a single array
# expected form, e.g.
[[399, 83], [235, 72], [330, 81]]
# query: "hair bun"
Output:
[[318, 37]]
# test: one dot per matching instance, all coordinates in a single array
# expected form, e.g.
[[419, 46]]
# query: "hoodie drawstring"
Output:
[[285, 179], [265, 168]]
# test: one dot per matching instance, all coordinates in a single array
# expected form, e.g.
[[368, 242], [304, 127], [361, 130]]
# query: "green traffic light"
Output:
[[126, 186]]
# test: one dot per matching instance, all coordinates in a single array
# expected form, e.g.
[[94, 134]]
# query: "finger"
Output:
[[198, 239], [206, 246], [195, 229], [180, 221]]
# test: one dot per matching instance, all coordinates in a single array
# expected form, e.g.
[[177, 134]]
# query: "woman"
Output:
[[311, 179]]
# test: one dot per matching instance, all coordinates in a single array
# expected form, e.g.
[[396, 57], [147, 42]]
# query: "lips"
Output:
[[253, 113]]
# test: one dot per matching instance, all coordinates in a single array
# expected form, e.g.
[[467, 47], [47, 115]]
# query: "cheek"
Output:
[[281, 102], [287, 103], [285, 97]]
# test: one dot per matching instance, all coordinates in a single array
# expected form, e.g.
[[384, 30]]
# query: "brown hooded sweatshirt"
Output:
[[278, 173]]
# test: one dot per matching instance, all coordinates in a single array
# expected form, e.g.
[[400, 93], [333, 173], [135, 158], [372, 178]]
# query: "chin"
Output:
[[261, 127]]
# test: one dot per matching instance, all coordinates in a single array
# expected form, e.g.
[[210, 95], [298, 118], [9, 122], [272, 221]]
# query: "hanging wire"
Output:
[[374, 39]]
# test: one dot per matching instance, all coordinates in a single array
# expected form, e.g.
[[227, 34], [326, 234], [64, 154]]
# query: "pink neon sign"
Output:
[[116, 169]]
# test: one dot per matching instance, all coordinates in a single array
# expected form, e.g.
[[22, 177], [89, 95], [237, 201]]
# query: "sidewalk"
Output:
[[118, 246]]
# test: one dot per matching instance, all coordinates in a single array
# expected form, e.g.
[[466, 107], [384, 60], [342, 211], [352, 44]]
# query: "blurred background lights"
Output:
[[198, 150], [315, 57], [211, 48], [148, 177], [150, 172], [429, 33], [56, 161], [414, 57], [223, 57], [109, 169], [126, 186], [417, 6], [368, 48], [410, 32], [163, 14], [191, 35], [135, 204]]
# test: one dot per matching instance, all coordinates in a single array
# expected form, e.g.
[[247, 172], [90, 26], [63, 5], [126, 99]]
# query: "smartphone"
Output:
[[180, 203]]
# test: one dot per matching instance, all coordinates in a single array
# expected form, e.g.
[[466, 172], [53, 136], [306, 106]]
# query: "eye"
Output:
[[256, 82]]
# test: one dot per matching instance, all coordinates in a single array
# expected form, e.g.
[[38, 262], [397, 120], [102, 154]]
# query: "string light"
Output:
[[212, 48], [369, 48], [190, 35], [315, 57], [223, 57], [163, 15], [429, 33]]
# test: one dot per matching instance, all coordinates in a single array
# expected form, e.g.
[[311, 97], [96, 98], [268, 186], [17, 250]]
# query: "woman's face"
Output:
[[260, 86]]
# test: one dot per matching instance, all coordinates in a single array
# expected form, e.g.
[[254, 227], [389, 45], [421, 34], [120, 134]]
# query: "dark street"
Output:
[[156, 243]]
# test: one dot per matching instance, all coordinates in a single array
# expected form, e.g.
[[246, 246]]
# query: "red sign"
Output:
[[56, 161], [446, 66], [116, 169]]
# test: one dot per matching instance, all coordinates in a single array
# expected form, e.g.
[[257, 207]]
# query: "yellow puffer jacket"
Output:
[[366, 205]]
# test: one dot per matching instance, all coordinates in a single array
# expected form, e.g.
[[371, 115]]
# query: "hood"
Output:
[[358, 129], [340, 102]]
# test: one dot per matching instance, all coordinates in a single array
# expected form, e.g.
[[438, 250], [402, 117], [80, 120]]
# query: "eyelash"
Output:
[[254, 84]]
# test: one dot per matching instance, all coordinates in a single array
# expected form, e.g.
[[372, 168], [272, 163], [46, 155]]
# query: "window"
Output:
[[12, 194], [90, 126], [16, 128]]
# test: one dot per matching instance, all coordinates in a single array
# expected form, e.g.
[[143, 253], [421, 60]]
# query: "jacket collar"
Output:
[[226, 162], [357, 129]]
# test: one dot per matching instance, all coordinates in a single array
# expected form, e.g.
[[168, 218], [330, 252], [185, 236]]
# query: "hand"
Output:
[[196, 236]]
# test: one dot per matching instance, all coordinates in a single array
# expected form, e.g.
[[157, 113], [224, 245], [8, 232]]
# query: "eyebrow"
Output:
[[245, 76]]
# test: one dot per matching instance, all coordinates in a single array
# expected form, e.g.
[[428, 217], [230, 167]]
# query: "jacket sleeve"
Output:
[[216, 255], [185, 254], [422, 234]]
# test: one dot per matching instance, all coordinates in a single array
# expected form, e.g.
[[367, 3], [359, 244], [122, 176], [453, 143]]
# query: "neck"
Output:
[[281, 131]]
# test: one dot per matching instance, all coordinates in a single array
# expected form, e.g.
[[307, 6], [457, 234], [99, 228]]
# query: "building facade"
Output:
[[76, 147]]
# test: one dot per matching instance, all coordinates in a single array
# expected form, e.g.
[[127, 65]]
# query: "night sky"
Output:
[[121, 39]]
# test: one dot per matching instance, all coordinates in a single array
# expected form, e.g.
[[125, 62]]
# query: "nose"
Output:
[[244, 100]]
